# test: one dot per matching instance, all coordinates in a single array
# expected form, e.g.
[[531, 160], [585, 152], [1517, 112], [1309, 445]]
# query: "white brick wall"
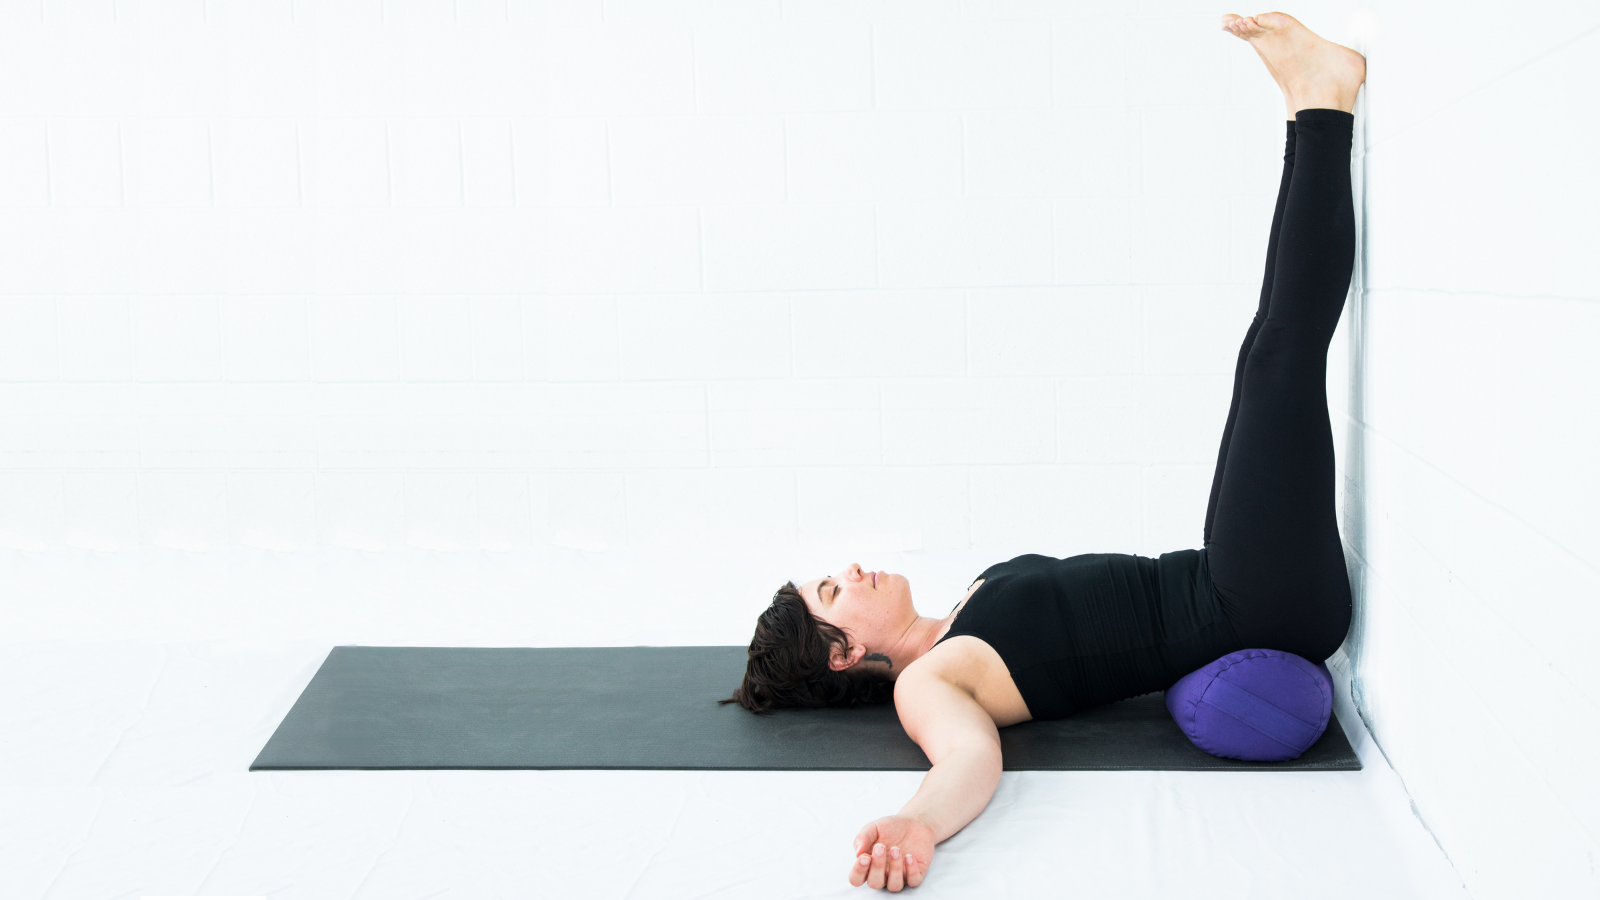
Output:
[[1470, 448], [286, 275]]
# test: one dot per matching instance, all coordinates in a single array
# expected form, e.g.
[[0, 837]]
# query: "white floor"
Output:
[[123, 772]]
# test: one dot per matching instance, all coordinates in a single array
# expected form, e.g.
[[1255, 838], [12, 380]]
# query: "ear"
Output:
[[840, 659]]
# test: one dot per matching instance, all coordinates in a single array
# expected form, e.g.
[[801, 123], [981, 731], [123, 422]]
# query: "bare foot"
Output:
[[1312, 72]]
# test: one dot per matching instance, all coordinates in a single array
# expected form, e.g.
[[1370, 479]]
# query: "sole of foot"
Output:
[[1313, 72]]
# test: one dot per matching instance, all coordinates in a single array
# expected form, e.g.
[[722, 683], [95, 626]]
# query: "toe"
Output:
[[1271, 20]]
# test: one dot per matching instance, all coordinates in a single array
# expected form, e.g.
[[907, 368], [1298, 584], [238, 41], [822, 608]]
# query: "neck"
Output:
[[918, 638]]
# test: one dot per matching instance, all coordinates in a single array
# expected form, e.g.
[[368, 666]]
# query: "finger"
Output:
[[866, 837], [858, 869], [863, 851], [880, 858], [897, 870], [914, 871]]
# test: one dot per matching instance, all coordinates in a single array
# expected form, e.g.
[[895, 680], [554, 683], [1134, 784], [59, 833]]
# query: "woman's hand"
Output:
[[892, 853]]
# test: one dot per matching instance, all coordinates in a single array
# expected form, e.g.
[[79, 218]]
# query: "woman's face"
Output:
[[874, 608]]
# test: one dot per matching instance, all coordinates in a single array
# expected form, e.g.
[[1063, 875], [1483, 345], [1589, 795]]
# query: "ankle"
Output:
[[1321, 98]]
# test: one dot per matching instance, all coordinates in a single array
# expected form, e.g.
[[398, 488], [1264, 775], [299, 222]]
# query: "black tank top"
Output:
[[1097, 628]]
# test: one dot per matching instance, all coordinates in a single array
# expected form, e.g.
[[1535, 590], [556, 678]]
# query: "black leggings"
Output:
[[1271, 536]]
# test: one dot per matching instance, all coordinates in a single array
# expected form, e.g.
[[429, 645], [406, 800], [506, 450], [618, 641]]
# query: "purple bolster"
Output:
[[1260, 705]]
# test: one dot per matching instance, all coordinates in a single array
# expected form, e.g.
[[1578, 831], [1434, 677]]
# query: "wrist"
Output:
[[926, 821]]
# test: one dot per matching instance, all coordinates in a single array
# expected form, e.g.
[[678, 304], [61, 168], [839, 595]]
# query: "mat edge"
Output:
[[1335, 768]]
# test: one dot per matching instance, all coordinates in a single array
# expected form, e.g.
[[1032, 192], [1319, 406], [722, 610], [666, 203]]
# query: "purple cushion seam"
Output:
[[1265, 701], [1269, 737], [1309, 731]]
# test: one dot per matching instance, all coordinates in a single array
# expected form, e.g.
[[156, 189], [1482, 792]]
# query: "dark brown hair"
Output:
[[788, 662]]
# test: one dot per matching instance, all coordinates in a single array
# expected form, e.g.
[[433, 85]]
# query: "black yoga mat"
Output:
[[653, 708]]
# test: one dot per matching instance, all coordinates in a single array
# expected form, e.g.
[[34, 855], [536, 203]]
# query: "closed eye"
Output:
[[832, 597]]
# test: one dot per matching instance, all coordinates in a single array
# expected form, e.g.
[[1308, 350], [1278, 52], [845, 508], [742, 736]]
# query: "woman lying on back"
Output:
[[1038, 637]]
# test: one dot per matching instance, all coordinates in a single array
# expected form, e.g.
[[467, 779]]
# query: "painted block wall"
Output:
[[615, 286], [1472, 433]]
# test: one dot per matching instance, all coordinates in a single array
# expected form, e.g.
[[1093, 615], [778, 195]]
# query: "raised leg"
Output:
[[1255, 326], [1272, 537], [1276, 560]]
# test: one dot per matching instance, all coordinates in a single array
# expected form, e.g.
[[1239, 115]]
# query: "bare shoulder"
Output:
[[970, 664], [961, 660]]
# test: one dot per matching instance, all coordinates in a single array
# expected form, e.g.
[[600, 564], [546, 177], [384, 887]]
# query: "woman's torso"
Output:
[[1040, 637], [974, 666]]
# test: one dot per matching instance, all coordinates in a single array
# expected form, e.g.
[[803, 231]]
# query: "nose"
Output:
[[854, 571]]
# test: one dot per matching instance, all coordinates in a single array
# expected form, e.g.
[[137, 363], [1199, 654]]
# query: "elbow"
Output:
[[989, 751], [978, 753]]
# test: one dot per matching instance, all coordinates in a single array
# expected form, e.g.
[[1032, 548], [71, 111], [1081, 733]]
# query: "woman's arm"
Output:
[[963, 744]]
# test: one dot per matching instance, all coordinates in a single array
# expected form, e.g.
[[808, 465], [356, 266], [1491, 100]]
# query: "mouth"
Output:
[[874, 580]]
